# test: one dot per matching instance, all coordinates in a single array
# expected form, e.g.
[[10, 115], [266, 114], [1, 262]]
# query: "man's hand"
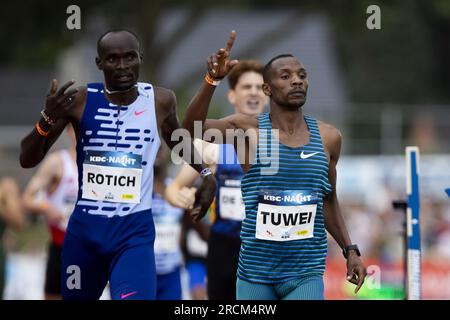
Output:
[[356, 272], [219, 64], [59, 102], [204, 197], [185, 198]]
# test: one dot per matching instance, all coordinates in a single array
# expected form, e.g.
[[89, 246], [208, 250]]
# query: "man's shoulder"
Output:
[[164, 95], [329, 130], [331, 138]]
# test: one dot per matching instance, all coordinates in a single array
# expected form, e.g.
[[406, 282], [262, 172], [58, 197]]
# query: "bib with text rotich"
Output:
[[230, 200], [112, 176], [286, 215]]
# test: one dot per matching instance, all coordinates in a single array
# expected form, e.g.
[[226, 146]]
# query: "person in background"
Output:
[[167, 219], [52, 192], [11, 216]]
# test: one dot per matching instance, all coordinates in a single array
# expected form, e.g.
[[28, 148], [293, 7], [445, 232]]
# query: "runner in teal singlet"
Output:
[[289, 187]]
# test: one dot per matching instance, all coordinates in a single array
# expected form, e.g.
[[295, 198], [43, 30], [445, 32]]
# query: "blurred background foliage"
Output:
[[406, 61]]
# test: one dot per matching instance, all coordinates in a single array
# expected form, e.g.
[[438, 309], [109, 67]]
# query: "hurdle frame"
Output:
[[413, 256]]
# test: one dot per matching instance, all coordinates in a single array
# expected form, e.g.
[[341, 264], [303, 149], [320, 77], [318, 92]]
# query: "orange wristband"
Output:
[[210, 80], [40, 131]]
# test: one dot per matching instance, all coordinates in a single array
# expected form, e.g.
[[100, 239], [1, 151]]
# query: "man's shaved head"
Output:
[[107, 34], [120, 59], [268, 65]]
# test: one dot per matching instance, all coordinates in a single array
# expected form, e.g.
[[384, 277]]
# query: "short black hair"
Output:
[[116, 31], [268, 65]]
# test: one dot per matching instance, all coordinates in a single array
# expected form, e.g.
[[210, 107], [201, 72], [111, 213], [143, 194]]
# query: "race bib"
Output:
[[195, 245], [112, 176], [230, 201], [286, 215], [167, 238]]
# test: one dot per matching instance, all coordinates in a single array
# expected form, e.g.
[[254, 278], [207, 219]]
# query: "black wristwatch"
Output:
[[351, 247]]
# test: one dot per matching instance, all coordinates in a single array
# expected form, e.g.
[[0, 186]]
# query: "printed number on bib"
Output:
[[231, 204], [112, 176], [286, 215]]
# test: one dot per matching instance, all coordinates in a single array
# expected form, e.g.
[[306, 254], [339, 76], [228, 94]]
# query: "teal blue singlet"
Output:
[[283, 234]]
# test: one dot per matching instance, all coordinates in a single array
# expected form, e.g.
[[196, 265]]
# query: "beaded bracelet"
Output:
[[40, 130], [47, 118], [210, 80]]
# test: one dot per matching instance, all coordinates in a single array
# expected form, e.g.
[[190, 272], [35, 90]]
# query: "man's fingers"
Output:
[[68, 95], [192, 192], [353, 280], [53, 87], [210, 63], [357, 278], [349, 274], [360, 283], [65, 86], [214, 64], [67, 104], [230, 41], [187, 195]]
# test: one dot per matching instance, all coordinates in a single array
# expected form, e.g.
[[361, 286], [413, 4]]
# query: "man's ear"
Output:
[[141, 57], [99, 64], [266, 89]]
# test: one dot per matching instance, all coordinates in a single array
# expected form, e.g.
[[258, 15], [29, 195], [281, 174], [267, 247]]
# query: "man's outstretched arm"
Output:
[[168, 124]]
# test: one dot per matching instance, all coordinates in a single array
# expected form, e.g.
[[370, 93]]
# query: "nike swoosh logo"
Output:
[[126, 295], [138, 113], [306, 156]]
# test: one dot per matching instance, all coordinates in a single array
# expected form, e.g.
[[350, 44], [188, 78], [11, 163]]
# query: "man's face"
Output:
[[288, 83], [120, 60], [247, 96]]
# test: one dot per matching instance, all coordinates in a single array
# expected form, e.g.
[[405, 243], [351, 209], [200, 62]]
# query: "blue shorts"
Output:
[[308, 287], [197, 273], [98, 249], [169, 286]]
